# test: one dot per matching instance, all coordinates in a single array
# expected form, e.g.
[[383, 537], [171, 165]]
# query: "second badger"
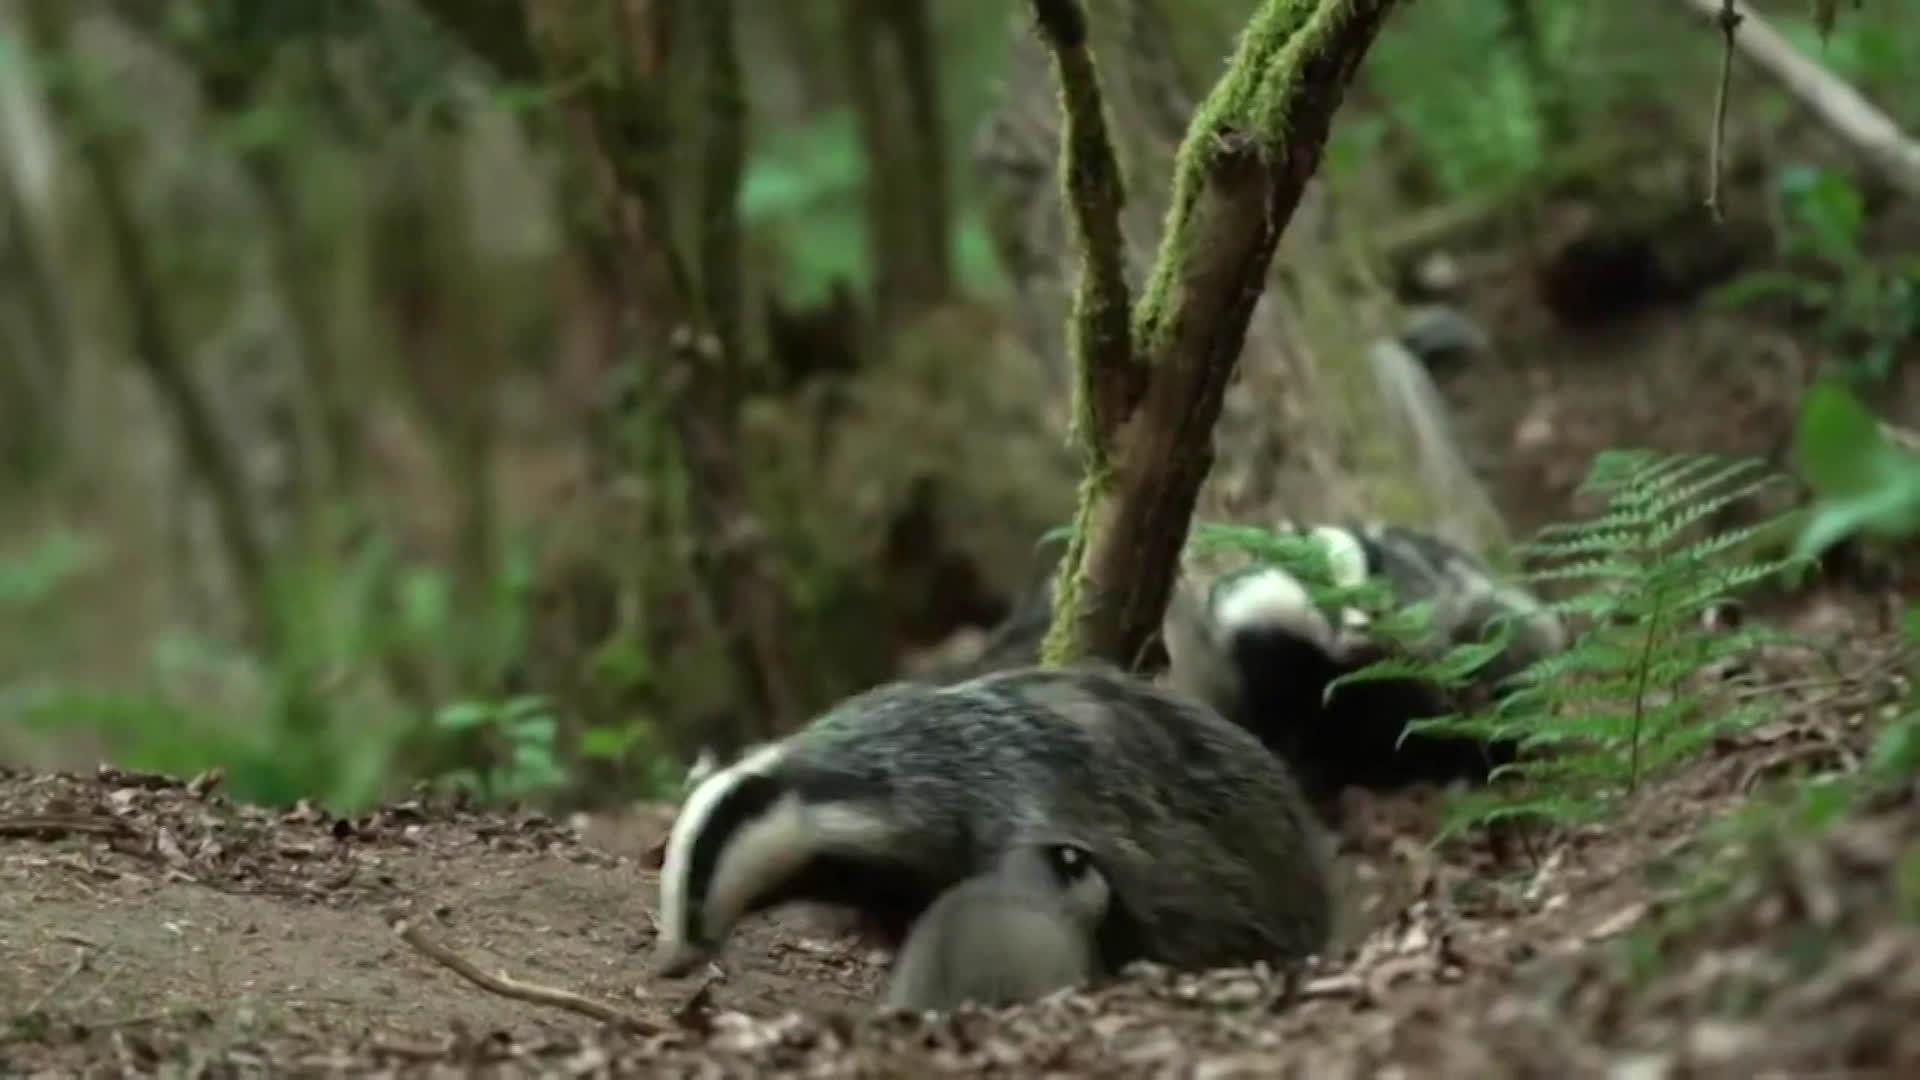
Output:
[[1017, 933], [896, 795]]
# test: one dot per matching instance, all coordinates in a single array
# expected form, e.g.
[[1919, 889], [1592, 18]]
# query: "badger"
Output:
[[1210, 853], [1252, 643], [1014, 934]]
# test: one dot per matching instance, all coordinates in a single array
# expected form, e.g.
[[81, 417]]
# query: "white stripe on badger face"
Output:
[[1346, 557], [776, 845], [1270, 599], [688, 826], [1347, 565]]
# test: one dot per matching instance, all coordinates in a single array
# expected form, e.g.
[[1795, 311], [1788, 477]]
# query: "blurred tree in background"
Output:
[[538, 391]]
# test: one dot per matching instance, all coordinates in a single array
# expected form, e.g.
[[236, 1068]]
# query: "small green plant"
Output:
[[1867, 486], [1866, 309], [517, 746], [1621, 702], [33, 576]]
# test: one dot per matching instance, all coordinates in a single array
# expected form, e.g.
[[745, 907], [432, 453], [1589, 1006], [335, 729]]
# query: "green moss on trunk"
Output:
[[1239, 174]]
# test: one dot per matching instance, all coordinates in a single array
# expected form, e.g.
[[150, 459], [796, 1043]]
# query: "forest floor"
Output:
[[147, 922]]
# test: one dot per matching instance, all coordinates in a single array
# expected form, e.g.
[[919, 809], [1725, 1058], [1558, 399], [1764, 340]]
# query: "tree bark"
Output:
[[155, 345], [231, 75], [894, 83], [618, 50], [496, 31], [1241, 171], [33, 380]]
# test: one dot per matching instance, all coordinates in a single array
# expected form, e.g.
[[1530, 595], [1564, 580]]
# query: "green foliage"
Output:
[[34, 576], [369, 644], [1618, 705], [802, 194], [1302, 555], [1460, 86], [1866, 483], [516, 746], [1866, 308], [1867, 486], [1873, 49]]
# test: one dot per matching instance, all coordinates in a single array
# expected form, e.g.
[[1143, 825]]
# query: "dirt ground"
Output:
[[148, 923]]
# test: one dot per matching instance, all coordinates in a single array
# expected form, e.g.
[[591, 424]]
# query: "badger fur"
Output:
[[898, 794], [1015, 934], [1252, 643]]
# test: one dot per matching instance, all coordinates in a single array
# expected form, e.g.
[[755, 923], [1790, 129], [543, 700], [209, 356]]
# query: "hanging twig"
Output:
[[1864, 128], [1729, 20]]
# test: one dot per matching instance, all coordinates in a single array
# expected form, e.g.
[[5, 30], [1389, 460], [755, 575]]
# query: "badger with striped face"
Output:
[[1252, 643], [1209, 853]]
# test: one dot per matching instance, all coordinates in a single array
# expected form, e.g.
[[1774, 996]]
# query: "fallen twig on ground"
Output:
[[53, 827], [507, 986]]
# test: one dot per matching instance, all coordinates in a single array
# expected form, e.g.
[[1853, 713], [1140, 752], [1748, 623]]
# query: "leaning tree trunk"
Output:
[[1306, 429]]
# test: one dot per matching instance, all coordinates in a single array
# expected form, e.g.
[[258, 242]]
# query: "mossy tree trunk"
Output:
[[893, 75], [682, 313], [1146, 407]]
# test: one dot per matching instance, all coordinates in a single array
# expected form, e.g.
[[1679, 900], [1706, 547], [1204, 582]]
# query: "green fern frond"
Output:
[[1629, 697]]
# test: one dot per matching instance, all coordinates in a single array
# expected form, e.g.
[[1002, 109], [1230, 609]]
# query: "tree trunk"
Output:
[[155, 344], [1239, 175], [623, 129], [33, 377], [1306, 430], [894, 83]]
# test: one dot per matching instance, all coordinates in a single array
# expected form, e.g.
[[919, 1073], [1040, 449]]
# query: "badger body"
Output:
[[1251, 643], [1022, 930], [1210, 853]]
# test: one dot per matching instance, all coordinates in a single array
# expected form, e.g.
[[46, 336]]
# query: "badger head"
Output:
[[768, 830]]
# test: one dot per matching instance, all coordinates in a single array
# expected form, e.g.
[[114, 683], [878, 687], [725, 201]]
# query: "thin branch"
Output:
[[1871, 134], [56, 826], [1099, 338], [509, 987], [1729, 23]]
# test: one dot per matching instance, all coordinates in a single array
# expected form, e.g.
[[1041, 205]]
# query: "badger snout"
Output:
[[672, 960]]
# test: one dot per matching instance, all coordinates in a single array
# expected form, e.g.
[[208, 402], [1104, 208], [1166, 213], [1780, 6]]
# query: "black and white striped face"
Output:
[[750, 836], [1268, 599]]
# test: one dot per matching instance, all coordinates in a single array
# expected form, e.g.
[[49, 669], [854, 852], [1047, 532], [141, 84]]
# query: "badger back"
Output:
[[901, 793], [1211, 853]]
